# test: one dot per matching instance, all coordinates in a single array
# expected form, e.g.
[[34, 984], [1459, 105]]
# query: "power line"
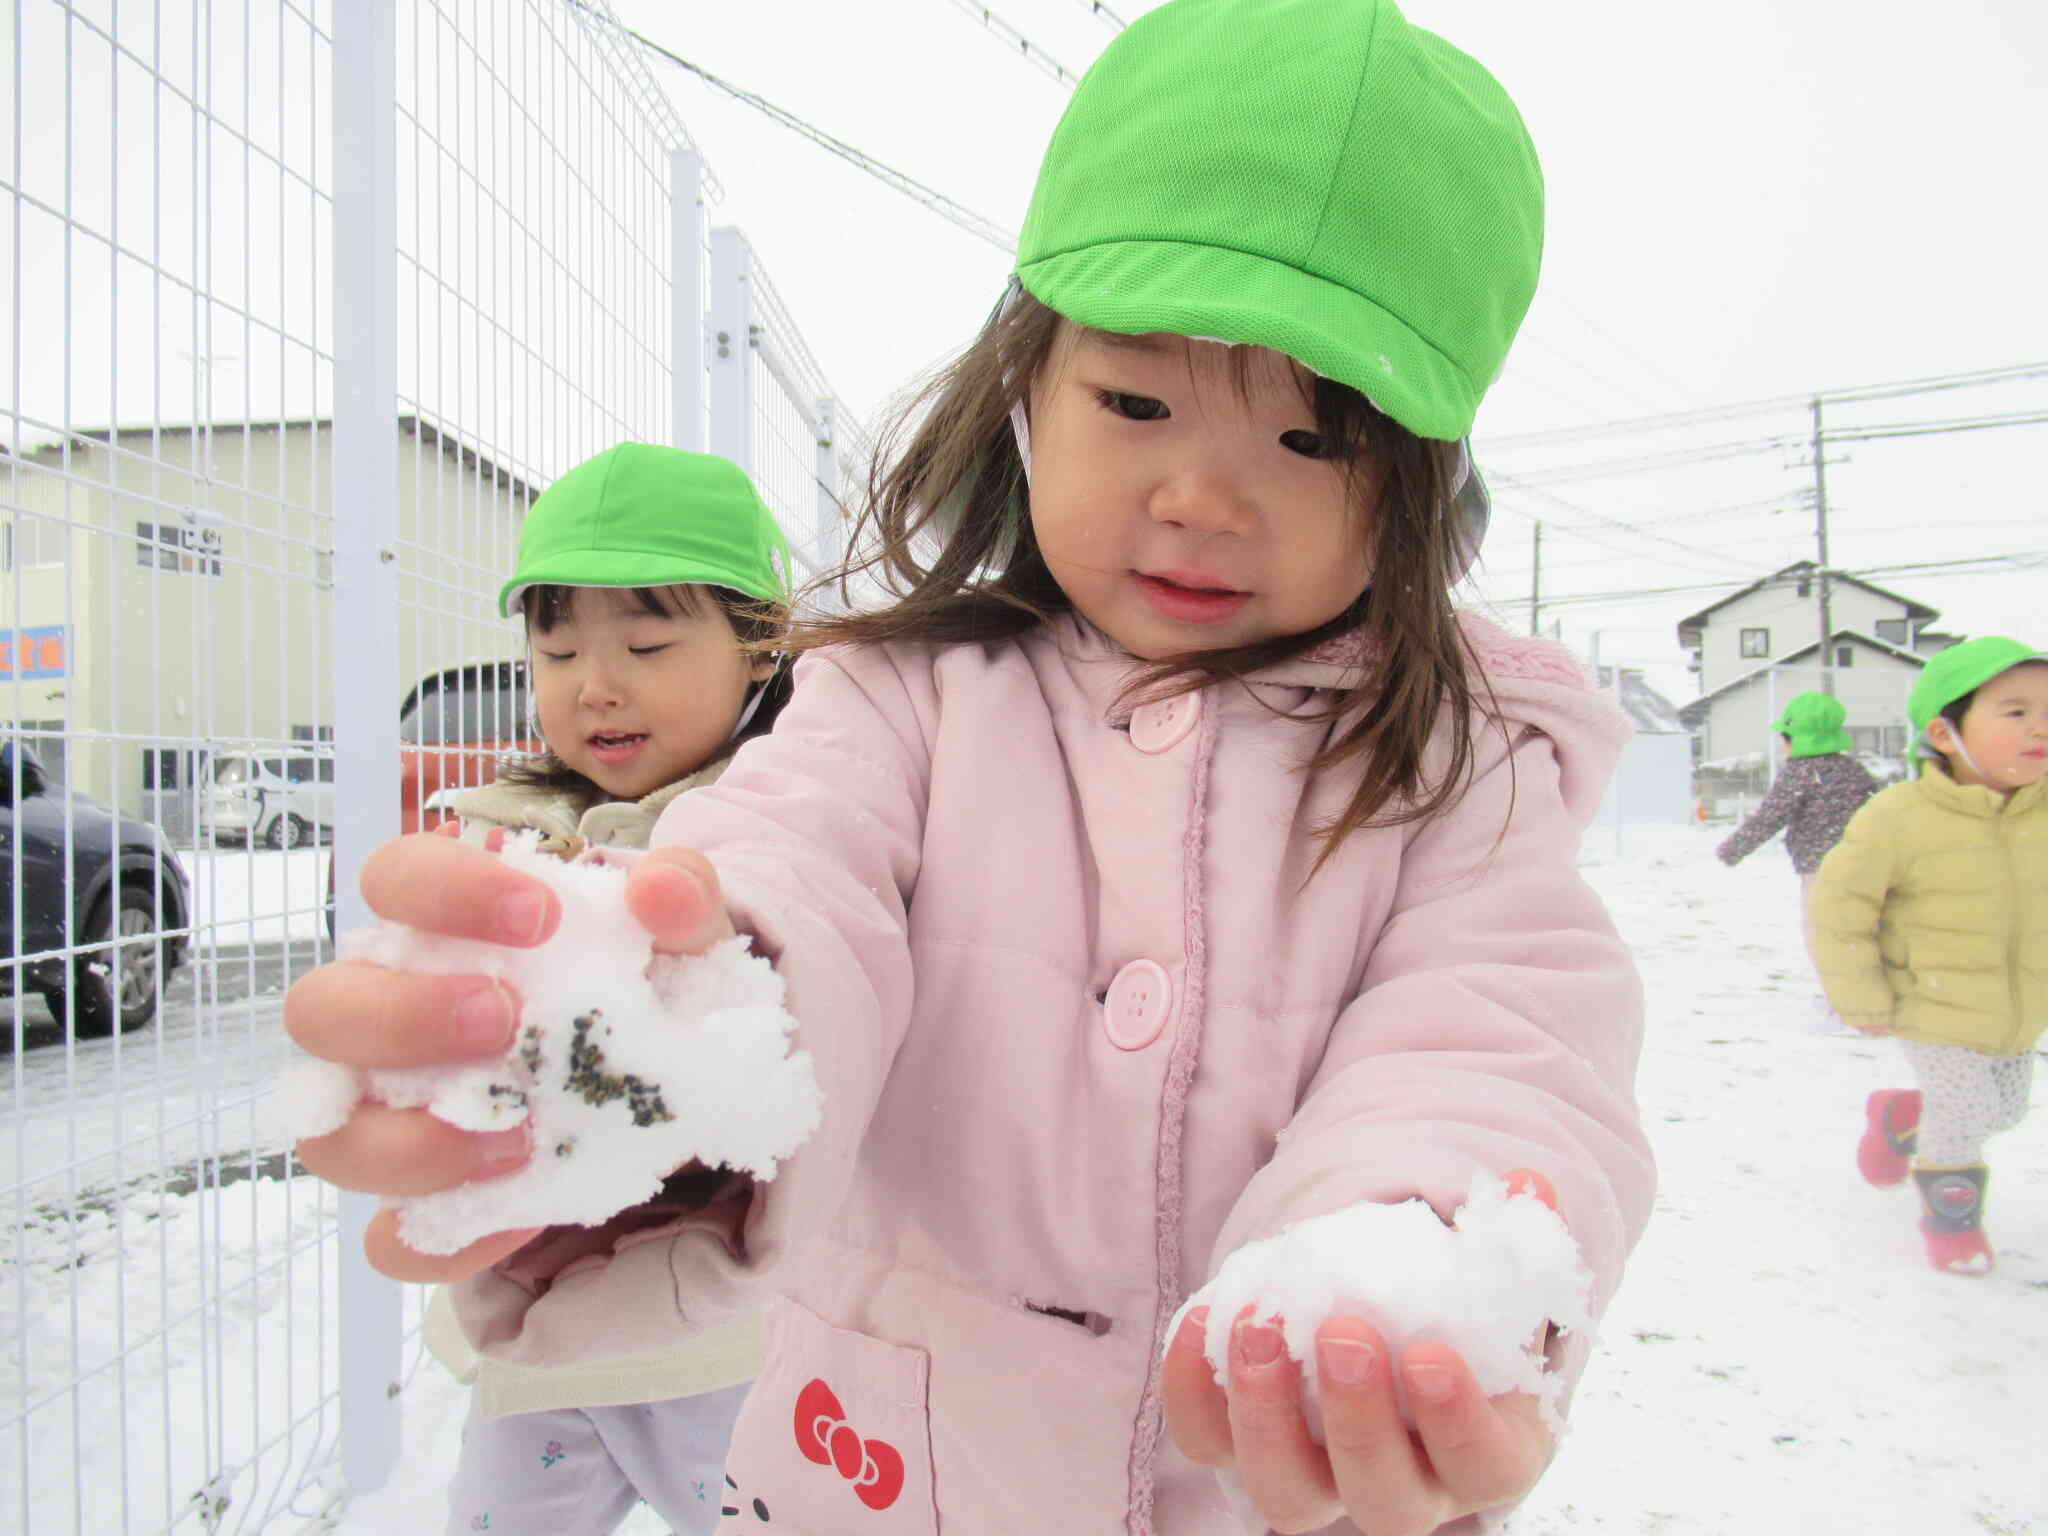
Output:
[[1521, 484], [2018, 560], [1026, 48], [1739, 410], [1104, 14], [954, 213], [1648, 463], [1654, 370], [1930, 428]]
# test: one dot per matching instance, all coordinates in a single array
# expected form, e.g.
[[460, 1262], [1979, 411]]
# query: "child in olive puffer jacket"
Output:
[[1931, 918], [1820, 787]]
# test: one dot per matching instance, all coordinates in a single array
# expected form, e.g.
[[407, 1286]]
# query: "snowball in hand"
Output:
[[627, 1065], [1486, 1285]]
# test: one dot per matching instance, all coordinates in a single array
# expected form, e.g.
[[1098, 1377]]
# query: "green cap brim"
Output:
[[600, 568], [1134, 287]]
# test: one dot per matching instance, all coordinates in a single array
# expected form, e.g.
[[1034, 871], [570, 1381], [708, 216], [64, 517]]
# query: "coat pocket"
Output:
[[835, 1437]]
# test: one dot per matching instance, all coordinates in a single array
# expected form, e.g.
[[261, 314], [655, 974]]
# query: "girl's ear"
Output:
[[763, 667], [1941, 734]]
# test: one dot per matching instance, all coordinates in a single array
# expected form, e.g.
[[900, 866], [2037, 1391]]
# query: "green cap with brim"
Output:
[[641, 515], [1961, 669], [1314, 176], [1814, 722]]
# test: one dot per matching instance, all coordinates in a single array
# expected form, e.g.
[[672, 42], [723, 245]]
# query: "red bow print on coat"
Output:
[[874, 1467]]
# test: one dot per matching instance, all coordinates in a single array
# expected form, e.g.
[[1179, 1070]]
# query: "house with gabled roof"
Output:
[[1756, 648]]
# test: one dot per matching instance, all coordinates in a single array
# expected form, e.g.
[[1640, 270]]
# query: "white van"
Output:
[[281, 798]]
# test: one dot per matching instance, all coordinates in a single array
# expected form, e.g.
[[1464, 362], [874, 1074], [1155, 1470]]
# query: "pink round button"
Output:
[[1135, 1008], [1157, 728]]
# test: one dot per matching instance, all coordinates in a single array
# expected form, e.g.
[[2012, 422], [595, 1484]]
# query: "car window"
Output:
[[274, 766], [326, 765], [300, 770], [462, 711], [424, 722]]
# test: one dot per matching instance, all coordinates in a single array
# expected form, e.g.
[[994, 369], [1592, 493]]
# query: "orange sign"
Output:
[[33, 653]]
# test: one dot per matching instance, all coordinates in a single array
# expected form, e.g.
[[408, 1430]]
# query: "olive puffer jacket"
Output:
[[1812, 799], [1931, 915]]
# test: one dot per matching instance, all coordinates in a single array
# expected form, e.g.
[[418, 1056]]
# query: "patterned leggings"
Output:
[[1966, 1096], [580, 1471]]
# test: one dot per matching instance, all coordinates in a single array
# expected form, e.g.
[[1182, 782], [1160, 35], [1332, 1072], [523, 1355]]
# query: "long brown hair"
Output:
[[944, 530], [758, 625]]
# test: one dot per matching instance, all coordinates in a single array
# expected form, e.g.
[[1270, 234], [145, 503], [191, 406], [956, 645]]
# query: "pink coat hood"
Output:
[[1085, 1025]]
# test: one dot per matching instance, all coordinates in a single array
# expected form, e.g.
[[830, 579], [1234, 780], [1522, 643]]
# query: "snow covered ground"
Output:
[[1780, 1359], [256, 896]]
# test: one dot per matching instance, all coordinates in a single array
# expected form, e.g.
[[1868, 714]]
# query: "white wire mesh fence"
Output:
[[303, 305]]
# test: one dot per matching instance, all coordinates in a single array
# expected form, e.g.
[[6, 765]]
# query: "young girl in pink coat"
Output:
[[1165, 863]]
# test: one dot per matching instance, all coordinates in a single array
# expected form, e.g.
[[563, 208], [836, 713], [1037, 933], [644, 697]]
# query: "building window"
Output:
[[175, 547], [1866, 738], [1805, 587], [312, 733], [1893, 630], [1756, 642], [166, 768], [1845, 655], [28, 541], [1895, 741]]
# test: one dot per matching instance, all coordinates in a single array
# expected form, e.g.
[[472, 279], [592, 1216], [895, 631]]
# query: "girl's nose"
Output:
[[597, 688], [1202, 499]]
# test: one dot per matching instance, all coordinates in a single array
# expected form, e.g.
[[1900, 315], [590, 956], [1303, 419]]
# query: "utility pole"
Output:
[[1820, 540], [1536, 587]]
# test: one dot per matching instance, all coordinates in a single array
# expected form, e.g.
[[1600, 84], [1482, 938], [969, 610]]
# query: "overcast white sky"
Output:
[[1746, 201]]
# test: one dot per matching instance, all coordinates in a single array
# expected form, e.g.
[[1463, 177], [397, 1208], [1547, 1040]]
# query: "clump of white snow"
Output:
[[1487, 1285], [626, 1065]]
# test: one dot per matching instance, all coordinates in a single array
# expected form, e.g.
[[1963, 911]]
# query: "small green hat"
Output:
[[1314, 176], [1958, 670], [1814, 722], [641, 515]]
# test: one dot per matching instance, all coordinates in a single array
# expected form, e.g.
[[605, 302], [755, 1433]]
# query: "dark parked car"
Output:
[[120, 950]]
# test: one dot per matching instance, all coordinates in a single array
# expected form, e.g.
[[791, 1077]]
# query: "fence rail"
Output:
[[308, 302]]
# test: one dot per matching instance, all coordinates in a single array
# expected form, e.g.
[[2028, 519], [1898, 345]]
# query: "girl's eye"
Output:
[[650, 650], [1310, 445], [557, 655], [1132, 407]]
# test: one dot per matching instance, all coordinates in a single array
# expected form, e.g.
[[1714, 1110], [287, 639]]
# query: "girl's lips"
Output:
[[614, 749], [1190, 604]]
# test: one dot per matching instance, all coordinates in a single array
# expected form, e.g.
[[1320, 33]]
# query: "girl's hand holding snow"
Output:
[[1397, 1440], [1468, 1452], [369, 1017]]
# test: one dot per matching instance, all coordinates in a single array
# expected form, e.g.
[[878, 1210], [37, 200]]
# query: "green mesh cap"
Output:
[[1314, 176], [1958, 670], [1814, 722], [640, 515]]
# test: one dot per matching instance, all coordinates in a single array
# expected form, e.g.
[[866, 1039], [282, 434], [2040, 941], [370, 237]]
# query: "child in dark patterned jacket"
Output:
[[1820, 787]]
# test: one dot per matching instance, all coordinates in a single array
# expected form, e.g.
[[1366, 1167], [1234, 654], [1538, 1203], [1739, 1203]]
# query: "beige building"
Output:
[[167, 594], [1758, 647]]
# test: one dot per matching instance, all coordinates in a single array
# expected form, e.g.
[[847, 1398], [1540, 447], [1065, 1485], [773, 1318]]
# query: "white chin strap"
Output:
[[1020, 428], [1964, 753], [760, 693]]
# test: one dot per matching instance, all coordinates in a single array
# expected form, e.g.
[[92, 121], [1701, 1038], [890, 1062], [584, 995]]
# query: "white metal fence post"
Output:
[[364, 487], [828, 541], [732, 348], [687, 314]]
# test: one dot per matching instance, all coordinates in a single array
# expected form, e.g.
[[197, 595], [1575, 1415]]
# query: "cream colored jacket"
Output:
[[725, 1356], [1930, 916]]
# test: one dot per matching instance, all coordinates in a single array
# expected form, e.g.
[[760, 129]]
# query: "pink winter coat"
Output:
[[1085, 1025]]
